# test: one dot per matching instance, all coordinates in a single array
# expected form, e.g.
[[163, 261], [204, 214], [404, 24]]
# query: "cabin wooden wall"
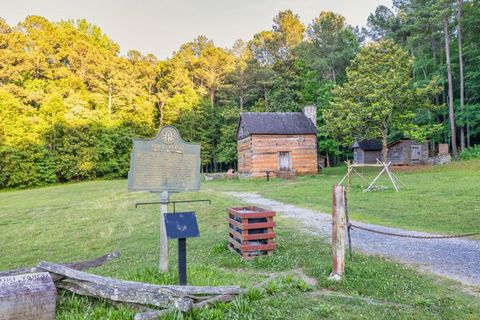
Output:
[[264, 154], [367, 157], [244, 156], [372, 156], [401, 153]]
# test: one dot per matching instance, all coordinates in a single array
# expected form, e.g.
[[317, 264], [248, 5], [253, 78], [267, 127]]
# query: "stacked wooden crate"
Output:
[[251, 231]]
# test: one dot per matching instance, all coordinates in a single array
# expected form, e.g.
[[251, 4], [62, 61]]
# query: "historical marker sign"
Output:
[[181, 225], [166, 163], [27, 297]]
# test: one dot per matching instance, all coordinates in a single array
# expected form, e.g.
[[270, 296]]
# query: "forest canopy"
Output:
[[70, 103]]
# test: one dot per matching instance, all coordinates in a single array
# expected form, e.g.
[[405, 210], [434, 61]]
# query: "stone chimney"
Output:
[[311, 113]]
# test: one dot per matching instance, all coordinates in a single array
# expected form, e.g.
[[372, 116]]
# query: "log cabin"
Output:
[[367, 151], [408, 152], [284, 144], [400, 152]]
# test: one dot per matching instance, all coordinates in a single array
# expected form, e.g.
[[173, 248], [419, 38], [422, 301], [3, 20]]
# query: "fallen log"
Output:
[[113, 292], [155, 314], [79, 265], [201, 290], [117, 290], [163, 296], [172, 289], [221, 298]]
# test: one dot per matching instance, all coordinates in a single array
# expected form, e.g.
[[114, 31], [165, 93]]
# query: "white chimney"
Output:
[[311, 113]]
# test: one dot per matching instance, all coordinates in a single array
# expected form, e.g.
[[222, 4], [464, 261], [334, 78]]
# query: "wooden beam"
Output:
[[343, 179], [155, 314], [338, 233], [79, 265], [374, 180], [400, 181], [163, 259], [356, 165], [390, 176], [361, 177]]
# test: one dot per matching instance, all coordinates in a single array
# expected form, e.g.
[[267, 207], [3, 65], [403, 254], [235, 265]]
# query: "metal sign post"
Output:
[[182, 261]]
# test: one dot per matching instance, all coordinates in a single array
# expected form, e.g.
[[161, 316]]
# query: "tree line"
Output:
[[70, 103]]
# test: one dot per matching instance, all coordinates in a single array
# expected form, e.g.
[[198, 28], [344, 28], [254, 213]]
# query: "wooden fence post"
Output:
[[163, 260], [338, 233]]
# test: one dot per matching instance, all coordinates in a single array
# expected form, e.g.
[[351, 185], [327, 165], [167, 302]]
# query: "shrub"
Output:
[[471, 153]]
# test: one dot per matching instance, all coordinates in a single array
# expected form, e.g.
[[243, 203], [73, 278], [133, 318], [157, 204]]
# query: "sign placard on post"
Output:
[[164, 165], [181, 225]]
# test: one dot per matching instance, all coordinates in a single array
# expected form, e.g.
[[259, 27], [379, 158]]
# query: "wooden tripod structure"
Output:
[[370, 185]]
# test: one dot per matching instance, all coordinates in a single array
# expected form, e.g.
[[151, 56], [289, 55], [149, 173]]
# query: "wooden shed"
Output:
[[283, 143], [367, 151], [408, 152]]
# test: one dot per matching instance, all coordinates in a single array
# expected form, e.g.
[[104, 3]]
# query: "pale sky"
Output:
[[160, 27]]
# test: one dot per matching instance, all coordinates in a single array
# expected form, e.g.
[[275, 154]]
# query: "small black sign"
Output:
[[181, 225]]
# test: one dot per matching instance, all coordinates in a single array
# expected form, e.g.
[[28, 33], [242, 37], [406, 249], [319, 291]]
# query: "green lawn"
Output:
[[444, 199], [84, 220]]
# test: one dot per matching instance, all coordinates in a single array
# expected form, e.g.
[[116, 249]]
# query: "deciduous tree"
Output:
[[378, 95]]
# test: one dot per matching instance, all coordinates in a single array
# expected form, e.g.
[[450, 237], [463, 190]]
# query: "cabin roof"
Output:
[[276, 123], [404, 140], [397, 142], [368, 145]]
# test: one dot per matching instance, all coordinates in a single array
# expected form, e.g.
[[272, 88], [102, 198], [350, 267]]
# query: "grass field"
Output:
[[443, 199], [84, 220]]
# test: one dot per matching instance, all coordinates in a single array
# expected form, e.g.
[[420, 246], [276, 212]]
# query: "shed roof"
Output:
[[397, 142], [368, 145], [405, 140], [277, 123]]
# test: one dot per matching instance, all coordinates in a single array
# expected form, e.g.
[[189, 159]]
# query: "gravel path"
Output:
[[458, 259]]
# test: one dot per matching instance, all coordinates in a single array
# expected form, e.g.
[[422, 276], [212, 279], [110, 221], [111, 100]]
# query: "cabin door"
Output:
[[284, 161], [416, 152]]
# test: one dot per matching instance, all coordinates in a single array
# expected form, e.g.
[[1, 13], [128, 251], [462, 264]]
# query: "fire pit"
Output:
[[250, 232]]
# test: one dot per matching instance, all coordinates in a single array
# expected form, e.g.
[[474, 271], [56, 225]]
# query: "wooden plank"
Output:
[[251, 212], [79, 265], [246, 255], [247, 248], [257, 236], [254, 215], [357, 165], [163, 258], [260, 225]]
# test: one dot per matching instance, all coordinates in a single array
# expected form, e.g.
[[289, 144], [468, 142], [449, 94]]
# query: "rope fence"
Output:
[[354, 226], [350, 226]]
